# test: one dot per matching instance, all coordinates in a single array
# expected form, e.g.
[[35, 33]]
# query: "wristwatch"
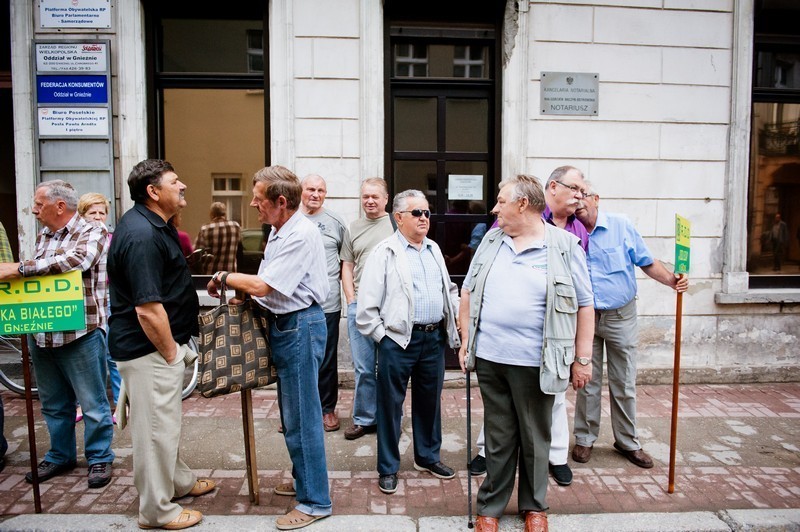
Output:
[[21, 269], [583, 361]]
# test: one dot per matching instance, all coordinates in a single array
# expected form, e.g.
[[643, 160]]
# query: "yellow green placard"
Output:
[[47, 303], [682, 247]]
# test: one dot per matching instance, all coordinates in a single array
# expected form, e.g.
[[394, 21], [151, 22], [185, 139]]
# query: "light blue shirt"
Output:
[[514, 302], [294, 266], [427, 279], [615, 249]]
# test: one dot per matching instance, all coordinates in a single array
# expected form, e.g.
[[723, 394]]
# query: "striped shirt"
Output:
[[427, 280], [79, 245]]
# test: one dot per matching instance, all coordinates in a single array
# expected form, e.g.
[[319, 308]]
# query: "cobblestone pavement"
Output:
[[738, 448]]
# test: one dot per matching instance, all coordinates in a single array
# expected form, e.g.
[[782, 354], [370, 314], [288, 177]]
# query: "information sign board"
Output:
[[46, 303], [71, 57], [73, 121], [569, 93], [64, 14], [682, 247], [60, 89]]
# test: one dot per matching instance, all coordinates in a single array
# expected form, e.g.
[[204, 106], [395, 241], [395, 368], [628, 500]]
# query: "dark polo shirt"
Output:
[[145, 265]]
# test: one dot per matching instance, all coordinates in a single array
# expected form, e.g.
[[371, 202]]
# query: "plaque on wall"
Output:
[[569, 93]]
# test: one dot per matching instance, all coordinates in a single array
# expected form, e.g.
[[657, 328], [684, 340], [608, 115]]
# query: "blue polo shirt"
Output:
[[615, 249]]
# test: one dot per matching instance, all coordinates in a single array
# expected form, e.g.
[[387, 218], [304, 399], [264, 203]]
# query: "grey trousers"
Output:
[[159, 474], [617, 331], [517, 419]]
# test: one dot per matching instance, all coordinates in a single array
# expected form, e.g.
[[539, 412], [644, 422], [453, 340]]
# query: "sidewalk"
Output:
[[738, 449]]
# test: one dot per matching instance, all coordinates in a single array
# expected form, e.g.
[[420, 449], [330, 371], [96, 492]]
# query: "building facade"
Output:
[[686, 107]]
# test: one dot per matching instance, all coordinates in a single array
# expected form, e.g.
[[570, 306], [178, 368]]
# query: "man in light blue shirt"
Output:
[[615, 249], [291, 284]]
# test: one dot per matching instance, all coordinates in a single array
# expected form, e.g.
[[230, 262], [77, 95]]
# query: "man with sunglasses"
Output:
[[408, 305]]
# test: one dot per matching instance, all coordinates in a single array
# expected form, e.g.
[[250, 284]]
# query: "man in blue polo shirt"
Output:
[[615, 249]]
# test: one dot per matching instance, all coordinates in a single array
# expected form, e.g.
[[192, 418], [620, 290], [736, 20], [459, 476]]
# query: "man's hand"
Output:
[[9, 270], [462, 357], [581, 375], [682, 283]]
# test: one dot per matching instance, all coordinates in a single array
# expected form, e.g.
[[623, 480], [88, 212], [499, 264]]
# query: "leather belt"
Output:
[[427, 327]]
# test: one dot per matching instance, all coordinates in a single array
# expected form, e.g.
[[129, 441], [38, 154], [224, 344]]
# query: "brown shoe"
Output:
[[486, 524], [637, 457], [185, 519], [535, 522], [356, 431], [330, 422], [581, 453], [287, 489], [201, 487], [296, 519]]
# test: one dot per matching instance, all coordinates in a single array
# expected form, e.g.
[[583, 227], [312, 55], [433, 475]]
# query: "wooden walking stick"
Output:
[[676, 385], [26, 373]]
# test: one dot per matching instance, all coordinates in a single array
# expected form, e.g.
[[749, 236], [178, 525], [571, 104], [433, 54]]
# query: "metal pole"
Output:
[[469, 453], [26, 373], [676, 385]]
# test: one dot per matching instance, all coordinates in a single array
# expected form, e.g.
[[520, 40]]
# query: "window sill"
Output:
[[762, 295]]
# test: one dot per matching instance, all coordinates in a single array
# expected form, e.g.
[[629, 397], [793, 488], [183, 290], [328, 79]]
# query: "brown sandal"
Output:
[[202, 486], [286, 488], [296, 519], [185, 519]]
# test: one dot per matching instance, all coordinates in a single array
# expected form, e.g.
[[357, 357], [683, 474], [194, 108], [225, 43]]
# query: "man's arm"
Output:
[[155, 324], [241, 282], [348, 281], [463, 318], [83, 256], [659, 272]]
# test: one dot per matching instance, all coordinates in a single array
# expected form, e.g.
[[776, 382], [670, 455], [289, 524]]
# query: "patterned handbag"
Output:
[[234, 348]]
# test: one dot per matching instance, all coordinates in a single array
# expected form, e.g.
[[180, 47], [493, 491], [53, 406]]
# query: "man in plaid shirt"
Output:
[[220, 238], [71, 365]]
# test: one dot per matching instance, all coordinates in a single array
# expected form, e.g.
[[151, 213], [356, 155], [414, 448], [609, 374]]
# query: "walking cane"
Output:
[[469, 454]]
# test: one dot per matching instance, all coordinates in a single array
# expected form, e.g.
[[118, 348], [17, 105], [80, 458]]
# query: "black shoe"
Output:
[[562, 474], [438, 470], [99, 474], [48, 470], [477, 466], [388, 483]]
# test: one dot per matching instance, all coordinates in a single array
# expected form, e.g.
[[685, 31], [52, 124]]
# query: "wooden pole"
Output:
[[676, 386], [250, 445], [26, 373]]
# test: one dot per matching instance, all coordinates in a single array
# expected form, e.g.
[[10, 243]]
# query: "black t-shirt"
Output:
[[146, 264]]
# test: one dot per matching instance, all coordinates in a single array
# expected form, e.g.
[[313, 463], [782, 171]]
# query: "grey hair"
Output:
[[590, 191], [58, 189], [526, 186], [559, 172], [313, 176], [400, 201]]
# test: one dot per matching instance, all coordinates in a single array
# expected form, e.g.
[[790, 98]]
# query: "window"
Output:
[[255, 51], [227, 189], [773, 228], [410, 61]]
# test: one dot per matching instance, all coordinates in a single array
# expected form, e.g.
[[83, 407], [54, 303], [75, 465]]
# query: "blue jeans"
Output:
[[116, 378], [365, 395], [423, 362], [75, 371], [298, 340]]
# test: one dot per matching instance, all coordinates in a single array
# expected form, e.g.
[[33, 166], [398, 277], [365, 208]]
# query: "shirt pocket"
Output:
[[614, 259], [475, 270], [566, 299]]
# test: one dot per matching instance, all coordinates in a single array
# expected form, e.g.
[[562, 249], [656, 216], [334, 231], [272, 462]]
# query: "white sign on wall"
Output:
[[64, 14], [569, 93], [71, 57], [465, 187], [73, 121]]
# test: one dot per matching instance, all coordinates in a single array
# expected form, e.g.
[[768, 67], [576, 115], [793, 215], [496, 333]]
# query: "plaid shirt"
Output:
[[221, 240], [79, 245]]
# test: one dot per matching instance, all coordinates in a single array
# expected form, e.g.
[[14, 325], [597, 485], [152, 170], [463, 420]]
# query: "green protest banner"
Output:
[[682, 248], [47, 303]]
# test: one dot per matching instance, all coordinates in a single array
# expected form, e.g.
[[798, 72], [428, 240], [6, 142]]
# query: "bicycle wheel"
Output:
[[190, 374], [11, 366]]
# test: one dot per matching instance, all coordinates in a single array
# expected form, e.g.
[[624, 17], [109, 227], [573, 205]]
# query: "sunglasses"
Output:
[[416, 213]]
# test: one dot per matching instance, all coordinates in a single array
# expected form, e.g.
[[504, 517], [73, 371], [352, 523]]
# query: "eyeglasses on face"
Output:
[[574, 188], [416, 213]]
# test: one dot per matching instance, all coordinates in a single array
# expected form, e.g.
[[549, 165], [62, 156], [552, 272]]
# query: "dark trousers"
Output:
[[423, 361], [517, 417], [329, 369]]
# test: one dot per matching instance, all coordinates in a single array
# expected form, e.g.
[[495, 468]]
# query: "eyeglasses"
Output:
[[416, 213], [574, 188]]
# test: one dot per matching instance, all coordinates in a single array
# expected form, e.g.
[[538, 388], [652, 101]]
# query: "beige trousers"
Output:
[[159, 474]]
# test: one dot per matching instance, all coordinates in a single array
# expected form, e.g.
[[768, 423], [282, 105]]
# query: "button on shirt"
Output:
[[427, 280], [294, 266], [615, 249]]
